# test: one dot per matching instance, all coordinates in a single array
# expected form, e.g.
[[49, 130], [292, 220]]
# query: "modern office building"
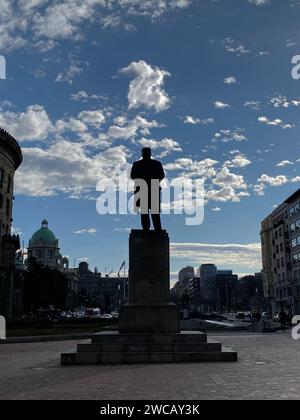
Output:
[[208, 278], [227, 291], [280, 239]]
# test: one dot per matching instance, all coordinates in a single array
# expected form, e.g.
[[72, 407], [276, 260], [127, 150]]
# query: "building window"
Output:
[[40, 253], [1, 201], [1, 177], [8, 184], [7, 207]]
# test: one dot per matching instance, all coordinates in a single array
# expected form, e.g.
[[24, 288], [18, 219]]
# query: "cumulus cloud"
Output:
[[239, 161], [221, 105], [275, 123], [65, 167], [41, 23], [123, 129], [226, 136], [198, 121], [284, 163], [272, 181], [167, 144], [281, 101], [147, 87], [231, 80], [33, 124]]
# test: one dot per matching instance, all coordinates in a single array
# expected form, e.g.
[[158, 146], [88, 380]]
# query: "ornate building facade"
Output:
[[10, 160], [44, 247]]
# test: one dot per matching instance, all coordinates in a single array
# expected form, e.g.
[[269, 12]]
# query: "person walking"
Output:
[[283, 319]]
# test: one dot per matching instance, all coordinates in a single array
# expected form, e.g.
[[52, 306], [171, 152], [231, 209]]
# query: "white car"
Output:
[[106, 316]]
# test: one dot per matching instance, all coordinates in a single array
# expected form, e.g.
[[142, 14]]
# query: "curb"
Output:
[[45, 338]]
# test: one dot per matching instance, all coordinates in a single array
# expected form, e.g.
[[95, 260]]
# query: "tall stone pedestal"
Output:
[[149, 324], [149, 309]]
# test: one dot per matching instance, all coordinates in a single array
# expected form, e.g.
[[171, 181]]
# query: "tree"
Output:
[[43, 286]]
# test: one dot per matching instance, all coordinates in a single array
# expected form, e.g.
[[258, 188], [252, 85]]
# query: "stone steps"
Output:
[[171, 338], [150, 348], [86, 358], [114, 348]]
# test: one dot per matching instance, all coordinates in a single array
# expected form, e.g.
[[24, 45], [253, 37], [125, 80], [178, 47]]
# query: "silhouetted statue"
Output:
[[151, 171]]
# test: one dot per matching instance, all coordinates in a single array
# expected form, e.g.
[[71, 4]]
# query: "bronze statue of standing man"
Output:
[[147, 174]]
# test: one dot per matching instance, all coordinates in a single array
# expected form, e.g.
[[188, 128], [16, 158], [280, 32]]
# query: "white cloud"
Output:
[[254, 105], [65, 167], [187, 167], [231, 80], [83, 96], [33, 124], [227, 178], [260, 2], [89, 231], [169, 145], [221, 105], [272, 181], [284, 163], [275, 123], [125, 130], [226, 136], [74, 69], [239, 161], [41, 23], [147, 87], [234, 47], [223, 255], [195, 121], [281, 101]]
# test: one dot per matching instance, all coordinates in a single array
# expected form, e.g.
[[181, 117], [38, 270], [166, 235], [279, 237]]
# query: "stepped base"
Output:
[[147, 318], [115, 348]]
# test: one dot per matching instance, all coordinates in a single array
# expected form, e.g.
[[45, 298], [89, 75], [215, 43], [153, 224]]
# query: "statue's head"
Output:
[[146, 153]]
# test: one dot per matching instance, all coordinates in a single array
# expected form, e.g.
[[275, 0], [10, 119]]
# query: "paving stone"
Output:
[[33, 371]]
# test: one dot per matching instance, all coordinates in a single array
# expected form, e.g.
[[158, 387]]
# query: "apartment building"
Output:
[[280, 239]]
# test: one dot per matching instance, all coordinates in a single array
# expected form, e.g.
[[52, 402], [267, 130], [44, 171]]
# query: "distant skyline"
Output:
[[207, 84]]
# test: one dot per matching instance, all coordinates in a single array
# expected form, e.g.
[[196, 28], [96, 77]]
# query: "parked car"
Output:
[[106, 316]]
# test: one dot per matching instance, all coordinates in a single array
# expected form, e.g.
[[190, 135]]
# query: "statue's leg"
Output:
[[156, 222], [145, 221]]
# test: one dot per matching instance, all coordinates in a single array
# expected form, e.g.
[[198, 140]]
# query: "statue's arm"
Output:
[[133, 174], [162, 173]]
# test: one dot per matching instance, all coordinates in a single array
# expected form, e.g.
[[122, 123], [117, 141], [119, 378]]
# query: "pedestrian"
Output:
[[290, 318], [283, 319]]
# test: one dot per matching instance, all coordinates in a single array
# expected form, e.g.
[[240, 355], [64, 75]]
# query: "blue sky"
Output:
[[206, 83]]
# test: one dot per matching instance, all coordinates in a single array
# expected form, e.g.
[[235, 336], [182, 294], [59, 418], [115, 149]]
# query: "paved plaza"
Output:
[[268, 368]]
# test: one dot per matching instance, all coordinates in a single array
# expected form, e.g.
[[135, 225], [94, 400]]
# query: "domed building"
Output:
[[44, 246]]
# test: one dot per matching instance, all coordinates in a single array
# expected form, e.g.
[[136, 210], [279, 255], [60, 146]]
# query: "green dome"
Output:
[[44, 234]]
